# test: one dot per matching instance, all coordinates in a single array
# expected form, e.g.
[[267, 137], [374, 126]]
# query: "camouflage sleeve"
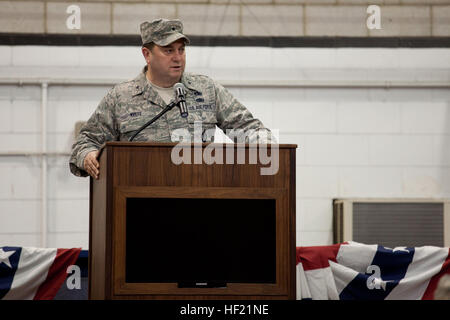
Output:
[[237, 121], [100, 127]]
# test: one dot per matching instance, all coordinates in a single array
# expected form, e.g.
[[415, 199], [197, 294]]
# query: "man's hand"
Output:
[[91, 164]]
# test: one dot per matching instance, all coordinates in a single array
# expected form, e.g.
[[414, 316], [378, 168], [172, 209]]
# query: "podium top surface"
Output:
[[173, 144]]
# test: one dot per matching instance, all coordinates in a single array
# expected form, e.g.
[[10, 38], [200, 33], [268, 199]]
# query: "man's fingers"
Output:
[[92, 165], [93, 175], [93, 160], [94, 170]]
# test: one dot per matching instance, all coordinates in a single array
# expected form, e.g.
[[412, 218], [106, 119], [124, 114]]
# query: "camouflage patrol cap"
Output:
[[162, 32]]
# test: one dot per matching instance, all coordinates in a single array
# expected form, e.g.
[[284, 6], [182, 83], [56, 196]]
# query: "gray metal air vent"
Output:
[[392, 222], [399, 224]]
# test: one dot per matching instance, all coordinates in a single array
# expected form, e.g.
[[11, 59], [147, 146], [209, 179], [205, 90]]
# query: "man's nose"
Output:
[[177, 56]]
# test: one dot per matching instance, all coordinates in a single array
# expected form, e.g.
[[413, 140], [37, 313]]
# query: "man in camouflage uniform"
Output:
[[129, 105]]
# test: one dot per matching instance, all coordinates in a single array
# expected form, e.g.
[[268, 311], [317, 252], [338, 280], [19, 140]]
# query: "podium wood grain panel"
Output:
[[157, 169]]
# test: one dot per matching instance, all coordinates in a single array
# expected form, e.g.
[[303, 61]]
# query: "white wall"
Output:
[[352, 142]]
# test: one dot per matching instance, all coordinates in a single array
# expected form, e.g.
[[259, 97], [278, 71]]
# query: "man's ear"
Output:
[[146, 52]]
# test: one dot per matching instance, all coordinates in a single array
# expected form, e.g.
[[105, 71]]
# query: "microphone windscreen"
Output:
[[179, 85]]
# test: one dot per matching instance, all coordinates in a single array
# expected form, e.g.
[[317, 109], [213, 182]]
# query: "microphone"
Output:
[[181, 99]]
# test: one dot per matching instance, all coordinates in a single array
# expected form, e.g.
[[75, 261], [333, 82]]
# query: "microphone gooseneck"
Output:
[[180, 101], [159, 115]]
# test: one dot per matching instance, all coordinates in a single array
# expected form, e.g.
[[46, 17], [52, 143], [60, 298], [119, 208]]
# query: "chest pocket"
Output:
[[204, 122], [131, 122]]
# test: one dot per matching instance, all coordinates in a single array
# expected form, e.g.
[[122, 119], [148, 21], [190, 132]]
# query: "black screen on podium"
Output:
[[195, 240]]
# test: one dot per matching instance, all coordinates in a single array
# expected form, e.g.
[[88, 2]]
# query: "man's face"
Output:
[[166, 64]]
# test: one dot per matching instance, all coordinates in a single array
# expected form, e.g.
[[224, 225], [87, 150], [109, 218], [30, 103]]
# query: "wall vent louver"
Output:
[[392, 222]]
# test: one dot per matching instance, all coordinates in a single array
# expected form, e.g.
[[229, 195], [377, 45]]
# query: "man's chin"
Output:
[[176, 76]]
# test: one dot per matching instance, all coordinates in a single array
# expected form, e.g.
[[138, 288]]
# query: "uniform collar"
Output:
[[141, 82], [186, 79], [142, 86]]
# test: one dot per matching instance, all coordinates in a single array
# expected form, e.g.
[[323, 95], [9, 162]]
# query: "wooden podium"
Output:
[[137, 170]]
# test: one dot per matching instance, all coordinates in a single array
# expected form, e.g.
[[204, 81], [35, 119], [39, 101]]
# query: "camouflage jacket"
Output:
[[129, 105]]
